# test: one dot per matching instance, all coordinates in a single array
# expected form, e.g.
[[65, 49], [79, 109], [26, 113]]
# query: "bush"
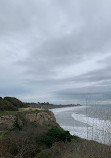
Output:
[[16, 125], [14, 101], [11, 104], [7, 106], [56, 134]]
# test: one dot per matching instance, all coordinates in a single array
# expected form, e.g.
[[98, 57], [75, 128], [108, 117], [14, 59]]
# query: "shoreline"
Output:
[[39, 129], [65, 118]]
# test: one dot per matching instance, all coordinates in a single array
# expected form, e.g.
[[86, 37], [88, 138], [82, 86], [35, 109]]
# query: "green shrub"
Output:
[[11, 104], [16, 125], [14, 101], [56, 134], [5, 105]]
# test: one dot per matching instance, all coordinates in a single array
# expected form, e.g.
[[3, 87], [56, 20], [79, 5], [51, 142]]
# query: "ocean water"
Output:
[[89, 122]]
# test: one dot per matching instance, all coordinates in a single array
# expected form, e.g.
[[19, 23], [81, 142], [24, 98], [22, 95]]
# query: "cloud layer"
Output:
[[55, 50]]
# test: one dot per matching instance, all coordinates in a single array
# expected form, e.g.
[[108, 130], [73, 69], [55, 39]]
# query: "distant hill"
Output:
[[10, 104], [16, 102]]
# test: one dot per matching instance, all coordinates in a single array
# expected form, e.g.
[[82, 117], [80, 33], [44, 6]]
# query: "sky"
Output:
[[55, 50]]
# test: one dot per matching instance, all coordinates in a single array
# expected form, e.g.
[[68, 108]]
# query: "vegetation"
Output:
[[56, 134], [32, 140], [16, 125], [10, 104], [14, 101], [6, 105]]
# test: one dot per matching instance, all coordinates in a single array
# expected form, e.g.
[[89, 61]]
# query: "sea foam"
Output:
[[104, 125]]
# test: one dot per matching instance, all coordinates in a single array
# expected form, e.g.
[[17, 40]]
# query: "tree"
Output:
[[16, 102]]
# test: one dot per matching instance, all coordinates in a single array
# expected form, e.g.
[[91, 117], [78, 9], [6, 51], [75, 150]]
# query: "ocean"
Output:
[[88, 122]]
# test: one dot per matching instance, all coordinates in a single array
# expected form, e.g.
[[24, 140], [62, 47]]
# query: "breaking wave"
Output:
[[104, 125]]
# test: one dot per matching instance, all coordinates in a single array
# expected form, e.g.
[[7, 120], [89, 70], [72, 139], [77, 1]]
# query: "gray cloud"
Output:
[[55, 48], [95, 76]]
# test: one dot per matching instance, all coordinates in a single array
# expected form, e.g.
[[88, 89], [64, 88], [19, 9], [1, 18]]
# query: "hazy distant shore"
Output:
[[50, 106]]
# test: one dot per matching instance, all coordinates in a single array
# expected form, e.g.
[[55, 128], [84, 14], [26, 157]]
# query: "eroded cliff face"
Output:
[[41, 117], [8, 120]]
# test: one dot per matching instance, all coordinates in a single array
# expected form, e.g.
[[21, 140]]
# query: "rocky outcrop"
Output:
[[8, 120], [41, 117]]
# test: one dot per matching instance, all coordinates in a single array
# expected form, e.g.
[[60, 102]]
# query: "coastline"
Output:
[[39, 130], [82, 126]]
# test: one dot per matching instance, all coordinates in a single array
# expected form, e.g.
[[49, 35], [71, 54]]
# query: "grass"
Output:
[[80, 149], [29, 109], [4, 113], [4, 135], [23, 110]]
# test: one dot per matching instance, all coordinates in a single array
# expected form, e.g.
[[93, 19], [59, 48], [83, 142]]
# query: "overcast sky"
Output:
[[55, 50]]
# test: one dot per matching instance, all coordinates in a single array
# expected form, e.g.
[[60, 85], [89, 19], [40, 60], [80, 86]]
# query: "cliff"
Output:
[[39, 117], [7, 120]]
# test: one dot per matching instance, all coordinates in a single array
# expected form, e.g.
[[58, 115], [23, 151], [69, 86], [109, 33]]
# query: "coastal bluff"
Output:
[[41, 117]]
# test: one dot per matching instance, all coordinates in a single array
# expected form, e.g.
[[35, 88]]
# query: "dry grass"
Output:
[[81, 149], [29, 109]]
